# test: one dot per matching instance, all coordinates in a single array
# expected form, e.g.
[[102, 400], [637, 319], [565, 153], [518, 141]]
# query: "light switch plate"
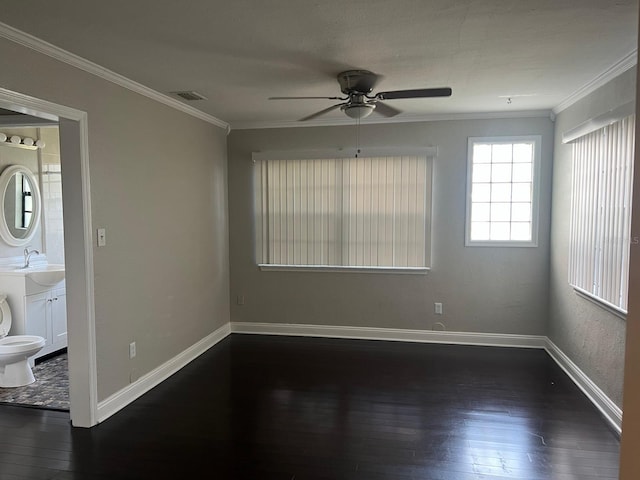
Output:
[[102, 237]]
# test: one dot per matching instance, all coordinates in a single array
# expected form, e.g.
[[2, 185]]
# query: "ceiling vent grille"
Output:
[[189, 96]]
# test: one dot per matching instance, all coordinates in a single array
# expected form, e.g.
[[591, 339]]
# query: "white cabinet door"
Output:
[[59, 318], [38, 316]]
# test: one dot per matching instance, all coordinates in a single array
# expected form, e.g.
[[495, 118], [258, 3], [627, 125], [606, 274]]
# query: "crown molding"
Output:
[[436, 117], [609, 74], [46, 48], [27, 40]]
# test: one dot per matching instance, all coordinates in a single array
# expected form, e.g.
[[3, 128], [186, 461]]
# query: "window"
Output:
[[600, 227], [344, 213], [502, 195]]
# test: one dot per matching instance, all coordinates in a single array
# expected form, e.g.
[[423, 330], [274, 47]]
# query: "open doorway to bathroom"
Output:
[[34, 143], [84, 409]]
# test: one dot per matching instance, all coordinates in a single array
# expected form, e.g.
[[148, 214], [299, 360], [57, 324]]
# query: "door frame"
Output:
[[78, 243]]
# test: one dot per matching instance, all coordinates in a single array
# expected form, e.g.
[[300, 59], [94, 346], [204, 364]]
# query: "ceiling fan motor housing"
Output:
[[357, 81]]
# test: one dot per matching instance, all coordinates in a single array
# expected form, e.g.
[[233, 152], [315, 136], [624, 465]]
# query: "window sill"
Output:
[[615, 310], [511, 244], [265, 267]]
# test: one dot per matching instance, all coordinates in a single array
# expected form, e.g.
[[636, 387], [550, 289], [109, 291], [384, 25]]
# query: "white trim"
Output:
[[391, 334], [5, 232], [433, 117], [601, 121], [600, 302], [607, 407], [84, 394], [347, 152], [89, 275], [46, 48], [34, 106], [535, 193], [272, 267], [122, 398], [611, 412], [609, 74]]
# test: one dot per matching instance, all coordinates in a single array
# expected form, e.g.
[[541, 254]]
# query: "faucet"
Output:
[[27, 256]]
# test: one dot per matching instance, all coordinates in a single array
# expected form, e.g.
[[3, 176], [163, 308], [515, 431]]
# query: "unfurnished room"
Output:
[[319, 240]]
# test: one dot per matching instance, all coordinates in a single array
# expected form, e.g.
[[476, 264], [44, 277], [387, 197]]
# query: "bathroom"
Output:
[[32, 235]]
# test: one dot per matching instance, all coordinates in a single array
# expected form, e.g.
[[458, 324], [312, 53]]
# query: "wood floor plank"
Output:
[[284, 408]]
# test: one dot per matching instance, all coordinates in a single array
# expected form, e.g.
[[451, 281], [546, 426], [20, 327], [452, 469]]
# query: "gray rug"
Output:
[[50, 390]]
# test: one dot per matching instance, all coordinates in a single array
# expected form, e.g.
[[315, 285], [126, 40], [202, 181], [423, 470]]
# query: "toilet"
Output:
[[15, 351]]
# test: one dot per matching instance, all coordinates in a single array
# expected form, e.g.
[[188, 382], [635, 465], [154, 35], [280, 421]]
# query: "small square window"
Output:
[[501, 191]]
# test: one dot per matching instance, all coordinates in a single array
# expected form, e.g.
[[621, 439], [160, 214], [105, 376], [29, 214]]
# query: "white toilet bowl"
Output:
[[15, 351]]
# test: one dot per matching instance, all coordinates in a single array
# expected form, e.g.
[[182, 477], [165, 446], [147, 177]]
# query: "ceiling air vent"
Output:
[[189, 96]]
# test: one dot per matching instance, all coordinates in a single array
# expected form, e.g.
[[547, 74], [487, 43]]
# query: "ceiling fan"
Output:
[[359, 102]]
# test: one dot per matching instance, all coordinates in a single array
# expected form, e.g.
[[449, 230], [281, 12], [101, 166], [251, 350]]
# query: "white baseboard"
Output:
[[391, 334], [611, 412], [119, 400], [124, 397], [607, 407]]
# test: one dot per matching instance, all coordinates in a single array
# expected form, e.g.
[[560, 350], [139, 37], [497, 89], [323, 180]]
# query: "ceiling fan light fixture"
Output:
[[358, 111], [359, 102]]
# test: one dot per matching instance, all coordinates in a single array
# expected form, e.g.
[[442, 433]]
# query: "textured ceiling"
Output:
[[239, 53]]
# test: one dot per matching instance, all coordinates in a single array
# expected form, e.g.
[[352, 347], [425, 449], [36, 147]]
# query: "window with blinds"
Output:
[[346, 212], [600, 227]]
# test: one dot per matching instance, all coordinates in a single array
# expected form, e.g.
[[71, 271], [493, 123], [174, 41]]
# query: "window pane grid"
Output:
[[346, 212], [501, 202]]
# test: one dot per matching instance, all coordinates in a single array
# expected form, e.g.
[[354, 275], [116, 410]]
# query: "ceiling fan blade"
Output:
[[385, 110], [306, 98], [321, 112], [419, 93]]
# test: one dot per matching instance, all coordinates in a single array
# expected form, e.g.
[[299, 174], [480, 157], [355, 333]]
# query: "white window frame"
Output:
[[425, 152], [535, 189]]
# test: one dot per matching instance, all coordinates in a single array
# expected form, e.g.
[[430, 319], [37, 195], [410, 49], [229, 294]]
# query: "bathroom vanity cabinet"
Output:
[[37, 299], [46, 316]]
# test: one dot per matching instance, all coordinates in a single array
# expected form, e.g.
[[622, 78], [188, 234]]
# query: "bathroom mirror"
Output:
[[20, 205]]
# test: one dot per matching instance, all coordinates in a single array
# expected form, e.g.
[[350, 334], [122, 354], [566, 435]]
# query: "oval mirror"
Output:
[[20, 205]]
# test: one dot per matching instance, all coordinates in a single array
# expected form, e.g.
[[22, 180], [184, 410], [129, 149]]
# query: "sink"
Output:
[[44, 275]]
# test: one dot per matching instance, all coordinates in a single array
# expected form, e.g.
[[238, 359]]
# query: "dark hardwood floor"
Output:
[[299, 408]]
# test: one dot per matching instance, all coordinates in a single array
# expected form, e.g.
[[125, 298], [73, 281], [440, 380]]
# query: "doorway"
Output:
[[31, 220], [78, 258]]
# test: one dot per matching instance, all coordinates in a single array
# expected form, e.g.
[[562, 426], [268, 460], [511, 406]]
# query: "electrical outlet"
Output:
[[438, 308], [240, 299], [132, 349]]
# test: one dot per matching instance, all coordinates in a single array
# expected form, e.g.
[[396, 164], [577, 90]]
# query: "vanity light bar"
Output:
[[17, 141]]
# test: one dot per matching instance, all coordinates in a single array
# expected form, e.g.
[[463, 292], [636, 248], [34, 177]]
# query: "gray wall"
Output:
[[592, 337], [158, 185], [483, 289]]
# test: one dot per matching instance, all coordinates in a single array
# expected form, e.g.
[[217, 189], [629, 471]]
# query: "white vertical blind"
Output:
[[600, 227], [364, 212]]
